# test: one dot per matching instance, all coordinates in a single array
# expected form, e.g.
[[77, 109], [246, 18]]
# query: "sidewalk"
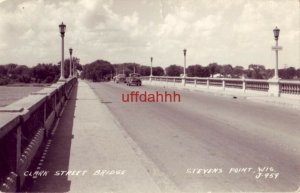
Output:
[[88, 142]]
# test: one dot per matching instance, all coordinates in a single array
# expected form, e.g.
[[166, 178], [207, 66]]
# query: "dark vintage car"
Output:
[[134, 81]]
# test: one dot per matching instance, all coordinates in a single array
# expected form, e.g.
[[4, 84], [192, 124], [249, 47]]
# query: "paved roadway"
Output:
[[193, 146]]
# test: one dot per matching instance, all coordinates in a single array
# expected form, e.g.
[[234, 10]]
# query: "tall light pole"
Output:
[[71, 63], [151, 72], [274, 84], [62, 29], [276, 48], [184, 53]]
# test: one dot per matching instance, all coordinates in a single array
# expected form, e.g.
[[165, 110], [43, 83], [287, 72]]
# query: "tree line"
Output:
[[101, 70], [40, 73]]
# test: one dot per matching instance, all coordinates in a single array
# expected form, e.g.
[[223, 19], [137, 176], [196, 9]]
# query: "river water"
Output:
[[9, 94]]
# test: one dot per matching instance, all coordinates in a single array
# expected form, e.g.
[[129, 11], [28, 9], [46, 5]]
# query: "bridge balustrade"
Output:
[[202, 81], [238, 84], [178, 80], [216, 82], [290, 87], [190, 81], [257, 85], [24, 126], [272, 87]]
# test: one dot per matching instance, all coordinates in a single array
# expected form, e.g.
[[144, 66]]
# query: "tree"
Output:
[[291, 72], [287, 73], [4, 80], [213, 69], [298, 73], [98, 70], [10, 67], [256, 71], [157, 71], [197, 71], [226, 70], [174, 70], [3, 70], [128, 68], [77, 65], [237, 71], [23, 73], [45, 73], [191, 70], [10, 71], [145, 70]]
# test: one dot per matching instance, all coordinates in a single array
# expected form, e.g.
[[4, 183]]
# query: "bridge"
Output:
[[225, 135]]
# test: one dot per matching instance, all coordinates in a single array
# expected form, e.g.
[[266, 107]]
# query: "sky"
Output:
[[236, 32]]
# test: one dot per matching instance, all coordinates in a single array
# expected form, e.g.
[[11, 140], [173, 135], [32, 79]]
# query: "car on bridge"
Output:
[[120, 78], [134, 79]]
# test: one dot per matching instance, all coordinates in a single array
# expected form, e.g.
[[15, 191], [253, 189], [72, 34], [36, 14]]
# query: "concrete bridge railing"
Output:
[[24, 126], [270, 87]]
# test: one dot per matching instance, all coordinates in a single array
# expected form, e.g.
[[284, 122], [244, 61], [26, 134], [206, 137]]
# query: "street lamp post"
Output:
[[184, 53], [274, 84], [184, 72], [62, 29], [151, 72], [276, 48], [71, 63]]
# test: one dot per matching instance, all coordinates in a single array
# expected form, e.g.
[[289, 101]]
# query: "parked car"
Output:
[[134, 81], [120, 78]]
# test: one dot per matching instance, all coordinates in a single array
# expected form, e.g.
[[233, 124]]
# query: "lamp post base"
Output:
[[183, 79], [274, 87], [61, 80]]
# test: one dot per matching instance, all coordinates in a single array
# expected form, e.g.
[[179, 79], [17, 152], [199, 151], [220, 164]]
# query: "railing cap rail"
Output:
[[211, 78], [8, 122], [26, 105], [49, 91], [290, 81], [256, 80], [267, 81]]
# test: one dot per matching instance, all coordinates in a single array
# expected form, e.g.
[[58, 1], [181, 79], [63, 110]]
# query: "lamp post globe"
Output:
[[276, 32], [62, 30]]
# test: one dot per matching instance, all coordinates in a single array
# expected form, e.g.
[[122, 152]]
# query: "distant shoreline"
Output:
[[26, 85]]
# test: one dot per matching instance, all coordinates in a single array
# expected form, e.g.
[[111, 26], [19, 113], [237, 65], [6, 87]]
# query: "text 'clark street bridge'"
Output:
[[215, 135]]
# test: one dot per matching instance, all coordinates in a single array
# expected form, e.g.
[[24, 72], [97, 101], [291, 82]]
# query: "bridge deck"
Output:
[[87, 143]]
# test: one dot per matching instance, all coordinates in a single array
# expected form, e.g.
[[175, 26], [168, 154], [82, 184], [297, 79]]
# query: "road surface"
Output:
[[210, 143]]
